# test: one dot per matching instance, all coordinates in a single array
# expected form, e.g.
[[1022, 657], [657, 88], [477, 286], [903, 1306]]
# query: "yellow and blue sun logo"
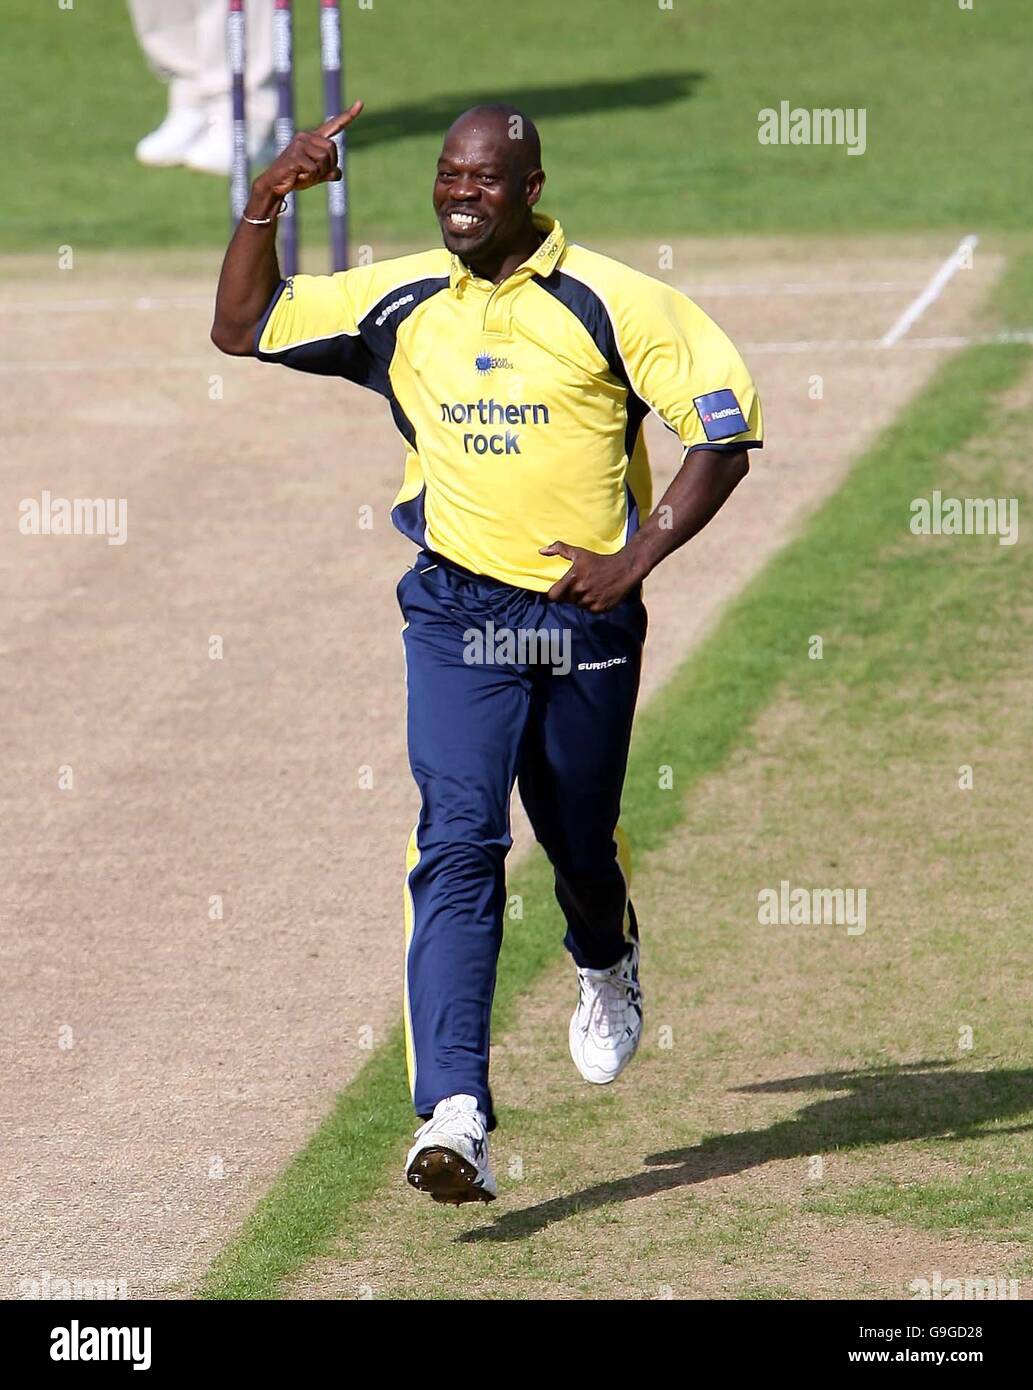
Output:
[[486, 364]]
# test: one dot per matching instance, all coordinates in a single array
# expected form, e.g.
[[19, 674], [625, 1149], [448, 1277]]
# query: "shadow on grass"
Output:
[[887, 1105], [433, 115]]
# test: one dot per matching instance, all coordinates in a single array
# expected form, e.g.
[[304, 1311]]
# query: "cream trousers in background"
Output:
[[185, 44]]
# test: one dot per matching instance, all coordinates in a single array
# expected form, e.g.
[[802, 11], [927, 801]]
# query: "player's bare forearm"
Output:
[[250, 269], [250, 275], [699, 490]]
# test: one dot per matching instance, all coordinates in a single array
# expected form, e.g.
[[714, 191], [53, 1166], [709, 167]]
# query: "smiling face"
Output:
[[486, 184]]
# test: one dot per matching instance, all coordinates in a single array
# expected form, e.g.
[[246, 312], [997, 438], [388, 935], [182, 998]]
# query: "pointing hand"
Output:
[[309, 159]]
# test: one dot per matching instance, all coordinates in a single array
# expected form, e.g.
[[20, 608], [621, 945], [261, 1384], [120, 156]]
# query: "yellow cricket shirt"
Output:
[[522, 403]]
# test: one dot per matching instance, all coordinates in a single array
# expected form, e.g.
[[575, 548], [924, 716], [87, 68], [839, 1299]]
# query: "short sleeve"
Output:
[[686, 368], [312, 325]]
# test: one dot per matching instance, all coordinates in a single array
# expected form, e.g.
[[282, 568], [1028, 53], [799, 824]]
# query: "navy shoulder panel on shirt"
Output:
[[336, 354], [378, 327], [592, 314]]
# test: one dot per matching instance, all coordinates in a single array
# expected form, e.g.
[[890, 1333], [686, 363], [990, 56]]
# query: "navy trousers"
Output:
[[505, 687]]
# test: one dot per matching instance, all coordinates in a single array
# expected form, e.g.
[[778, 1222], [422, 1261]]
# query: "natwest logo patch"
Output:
[[720, 414]]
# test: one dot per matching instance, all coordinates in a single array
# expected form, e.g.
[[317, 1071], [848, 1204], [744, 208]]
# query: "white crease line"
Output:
[[91, 306], [802, 287], [932, 291], [879, 344], [152, 302], [157, 364], [192, 364]]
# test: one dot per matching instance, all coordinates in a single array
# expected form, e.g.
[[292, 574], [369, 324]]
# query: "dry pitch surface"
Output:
[[160, 1066]]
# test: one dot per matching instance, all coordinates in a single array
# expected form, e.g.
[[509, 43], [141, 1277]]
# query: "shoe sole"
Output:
[[447, 1177]]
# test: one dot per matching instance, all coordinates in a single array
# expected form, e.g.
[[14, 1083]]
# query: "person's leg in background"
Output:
[[465, 723], [184, 42], [212, 153], [166, 31], [571, 777]]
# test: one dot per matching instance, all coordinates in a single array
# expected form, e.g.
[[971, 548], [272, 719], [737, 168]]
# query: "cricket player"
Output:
[[519, 369]]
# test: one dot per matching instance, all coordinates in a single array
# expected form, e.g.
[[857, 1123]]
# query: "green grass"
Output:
[[913, 632], [822, 585], [987, 1204], [344, 1161], [649, 117]]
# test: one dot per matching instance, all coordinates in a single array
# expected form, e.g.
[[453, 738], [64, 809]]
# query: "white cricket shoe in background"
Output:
[[168, 145], [450, 1157], [212, 150], [606, 1025]]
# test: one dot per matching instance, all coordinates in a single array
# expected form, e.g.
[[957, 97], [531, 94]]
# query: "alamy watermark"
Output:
[[81, 1342], [519, 646], [937, 1287], [75, 516], [819, 125], [49, 1286], [966, 516], [786, 906]]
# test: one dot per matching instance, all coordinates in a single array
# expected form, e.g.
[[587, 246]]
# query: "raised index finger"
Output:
[[336, 124]]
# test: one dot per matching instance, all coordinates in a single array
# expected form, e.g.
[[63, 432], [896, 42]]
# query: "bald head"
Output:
[[512, 128], [488, 181]]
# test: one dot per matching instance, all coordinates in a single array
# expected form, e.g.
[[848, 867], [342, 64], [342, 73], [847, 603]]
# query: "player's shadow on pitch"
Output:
[[887, 1105], [432, 115]]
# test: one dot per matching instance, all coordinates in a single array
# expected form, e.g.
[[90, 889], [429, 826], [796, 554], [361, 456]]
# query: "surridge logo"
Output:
[[485, 364], [602, 665], [383, 317]]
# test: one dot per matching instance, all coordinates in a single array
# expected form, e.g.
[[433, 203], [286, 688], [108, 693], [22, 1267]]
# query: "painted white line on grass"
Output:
[[799, 287], [153, 364], [1017, 335], [193, 364], [93, 306], [148, 303], [879, 344], [932, 291]]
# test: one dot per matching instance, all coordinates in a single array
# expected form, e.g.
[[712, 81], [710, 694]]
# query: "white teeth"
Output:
[[462, 219]]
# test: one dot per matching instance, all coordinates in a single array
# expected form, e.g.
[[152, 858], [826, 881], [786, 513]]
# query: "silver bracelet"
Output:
[[264, 221]]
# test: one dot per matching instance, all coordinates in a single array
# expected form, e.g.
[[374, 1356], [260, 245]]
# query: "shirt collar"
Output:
[[542, 262]]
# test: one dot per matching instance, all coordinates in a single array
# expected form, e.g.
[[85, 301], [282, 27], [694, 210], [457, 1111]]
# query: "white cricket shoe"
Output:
[[212, 150], [450, 1157], [606, 1025], [168, 144]]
